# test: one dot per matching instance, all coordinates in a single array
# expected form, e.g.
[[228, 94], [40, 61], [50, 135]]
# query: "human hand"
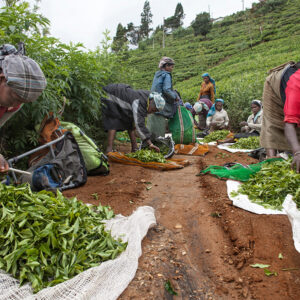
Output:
[[156, 149], [3, 164], [243, 123], [296, 162]]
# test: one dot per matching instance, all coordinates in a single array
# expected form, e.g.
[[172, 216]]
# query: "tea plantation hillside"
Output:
[[237, 53]]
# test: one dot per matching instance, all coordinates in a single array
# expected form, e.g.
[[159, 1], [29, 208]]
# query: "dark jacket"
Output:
[[133, 104], [162, 83]]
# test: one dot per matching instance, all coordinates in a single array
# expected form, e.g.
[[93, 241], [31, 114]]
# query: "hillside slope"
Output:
[[237, 53]]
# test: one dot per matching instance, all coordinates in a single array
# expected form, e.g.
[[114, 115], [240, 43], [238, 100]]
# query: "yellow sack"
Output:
[[191, 149], [171, 164]]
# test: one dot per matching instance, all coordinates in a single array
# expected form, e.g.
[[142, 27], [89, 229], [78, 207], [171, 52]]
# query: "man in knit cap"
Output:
[[21, 81]]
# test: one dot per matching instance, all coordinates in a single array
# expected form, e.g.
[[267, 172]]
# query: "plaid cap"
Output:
[[24, 76], [158, 100]]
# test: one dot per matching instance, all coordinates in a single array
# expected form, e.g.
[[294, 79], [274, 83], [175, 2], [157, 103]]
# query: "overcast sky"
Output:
[[85, 20]]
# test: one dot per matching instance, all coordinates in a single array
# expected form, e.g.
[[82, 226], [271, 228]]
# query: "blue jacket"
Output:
[[162, 83]]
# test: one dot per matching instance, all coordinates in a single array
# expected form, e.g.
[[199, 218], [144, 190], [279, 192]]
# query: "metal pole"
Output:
[[163, 32]]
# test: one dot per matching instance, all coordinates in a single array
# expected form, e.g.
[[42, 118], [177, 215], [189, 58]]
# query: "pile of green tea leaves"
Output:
[[272, 184], [123, 136], [47, 239], [164, 149], [251, 142], [216, 135], [146, 155]]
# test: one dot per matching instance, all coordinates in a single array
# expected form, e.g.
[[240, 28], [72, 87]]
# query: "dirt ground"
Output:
[[201, 243]]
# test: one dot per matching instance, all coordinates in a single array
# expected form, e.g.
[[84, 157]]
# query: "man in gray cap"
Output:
[[21, 81]]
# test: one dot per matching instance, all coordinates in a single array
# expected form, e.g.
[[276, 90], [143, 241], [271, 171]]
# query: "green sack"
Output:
[[182, 127], [236, 171], [95, 161]]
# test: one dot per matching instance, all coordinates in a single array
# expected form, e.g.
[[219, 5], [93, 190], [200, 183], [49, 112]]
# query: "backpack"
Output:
[[64, 171], [95, 161]]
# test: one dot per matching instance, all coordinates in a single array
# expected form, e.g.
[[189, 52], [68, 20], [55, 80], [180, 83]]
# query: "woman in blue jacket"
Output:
[[162, 83]]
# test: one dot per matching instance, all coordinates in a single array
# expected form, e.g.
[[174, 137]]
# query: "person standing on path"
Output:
[[281, 118], [207, 89], [162, 84]]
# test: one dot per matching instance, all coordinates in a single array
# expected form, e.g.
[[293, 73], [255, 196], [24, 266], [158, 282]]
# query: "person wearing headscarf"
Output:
[[217, 117], [126, 109], [207, 89], [281, 117], [201, 109], [253, 125], [21, 81], [162, 84]]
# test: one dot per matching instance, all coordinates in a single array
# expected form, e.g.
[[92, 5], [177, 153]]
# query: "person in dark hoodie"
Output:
[[126, 109], [162, 84]]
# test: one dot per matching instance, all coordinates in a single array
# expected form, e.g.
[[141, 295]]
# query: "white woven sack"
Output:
[[105, 282]]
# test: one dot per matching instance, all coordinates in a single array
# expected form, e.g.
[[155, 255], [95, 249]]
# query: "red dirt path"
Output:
[[201, 243]]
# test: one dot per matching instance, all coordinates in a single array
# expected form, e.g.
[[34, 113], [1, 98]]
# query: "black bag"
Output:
[[64, 171]]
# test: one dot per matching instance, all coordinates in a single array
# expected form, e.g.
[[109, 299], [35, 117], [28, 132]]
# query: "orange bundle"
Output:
[[171, 164], [191, 149]]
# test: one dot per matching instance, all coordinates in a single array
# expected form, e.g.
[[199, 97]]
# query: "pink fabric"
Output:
[[4, 110], [292, 102]]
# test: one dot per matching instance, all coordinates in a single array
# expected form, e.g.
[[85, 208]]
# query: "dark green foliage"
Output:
[[175, 21], [71, 72], [120, 39], [202, 24], [146, 20]]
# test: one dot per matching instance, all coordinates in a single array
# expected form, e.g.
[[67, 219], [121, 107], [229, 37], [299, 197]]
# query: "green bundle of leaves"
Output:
[[146, 155], [216, 135], [272, 184], [47, 239], [251, 142]]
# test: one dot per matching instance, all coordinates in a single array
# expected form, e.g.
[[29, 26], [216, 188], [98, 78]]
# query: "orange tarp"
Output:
[[171, 164], [191, 149]]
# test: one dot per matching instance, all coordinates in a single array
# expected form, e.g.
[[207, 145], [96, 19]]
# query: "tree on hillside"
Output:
[[175, 21], [202, 24], [133, 34], [119, 41], [146, 20]]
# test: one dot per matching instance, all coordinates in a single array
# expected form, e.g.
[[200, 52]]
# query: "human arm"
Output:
[[3, 164], [209, 121], [212, 93], [139, 110], [226, 119], [291, 136], [167, 89]]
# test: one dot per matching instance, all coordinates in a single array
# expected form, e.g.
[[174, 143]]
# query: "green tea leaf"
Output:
[[169, 288]]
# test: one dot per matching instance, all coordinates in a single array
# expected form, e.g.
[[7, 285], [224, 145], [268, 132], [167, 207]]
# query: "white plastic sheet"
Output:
[[242, 201], [106, 281], [294, 216], [289, 209], [232, 150]]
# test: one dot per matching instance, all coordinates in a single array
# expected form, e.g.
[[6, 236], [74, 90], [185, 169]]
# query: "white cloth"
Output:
[[218, 119], [106, 281]]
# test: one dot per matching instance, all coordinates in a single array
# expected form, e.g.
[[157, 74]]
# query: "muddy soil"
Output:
[[202, 244]]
